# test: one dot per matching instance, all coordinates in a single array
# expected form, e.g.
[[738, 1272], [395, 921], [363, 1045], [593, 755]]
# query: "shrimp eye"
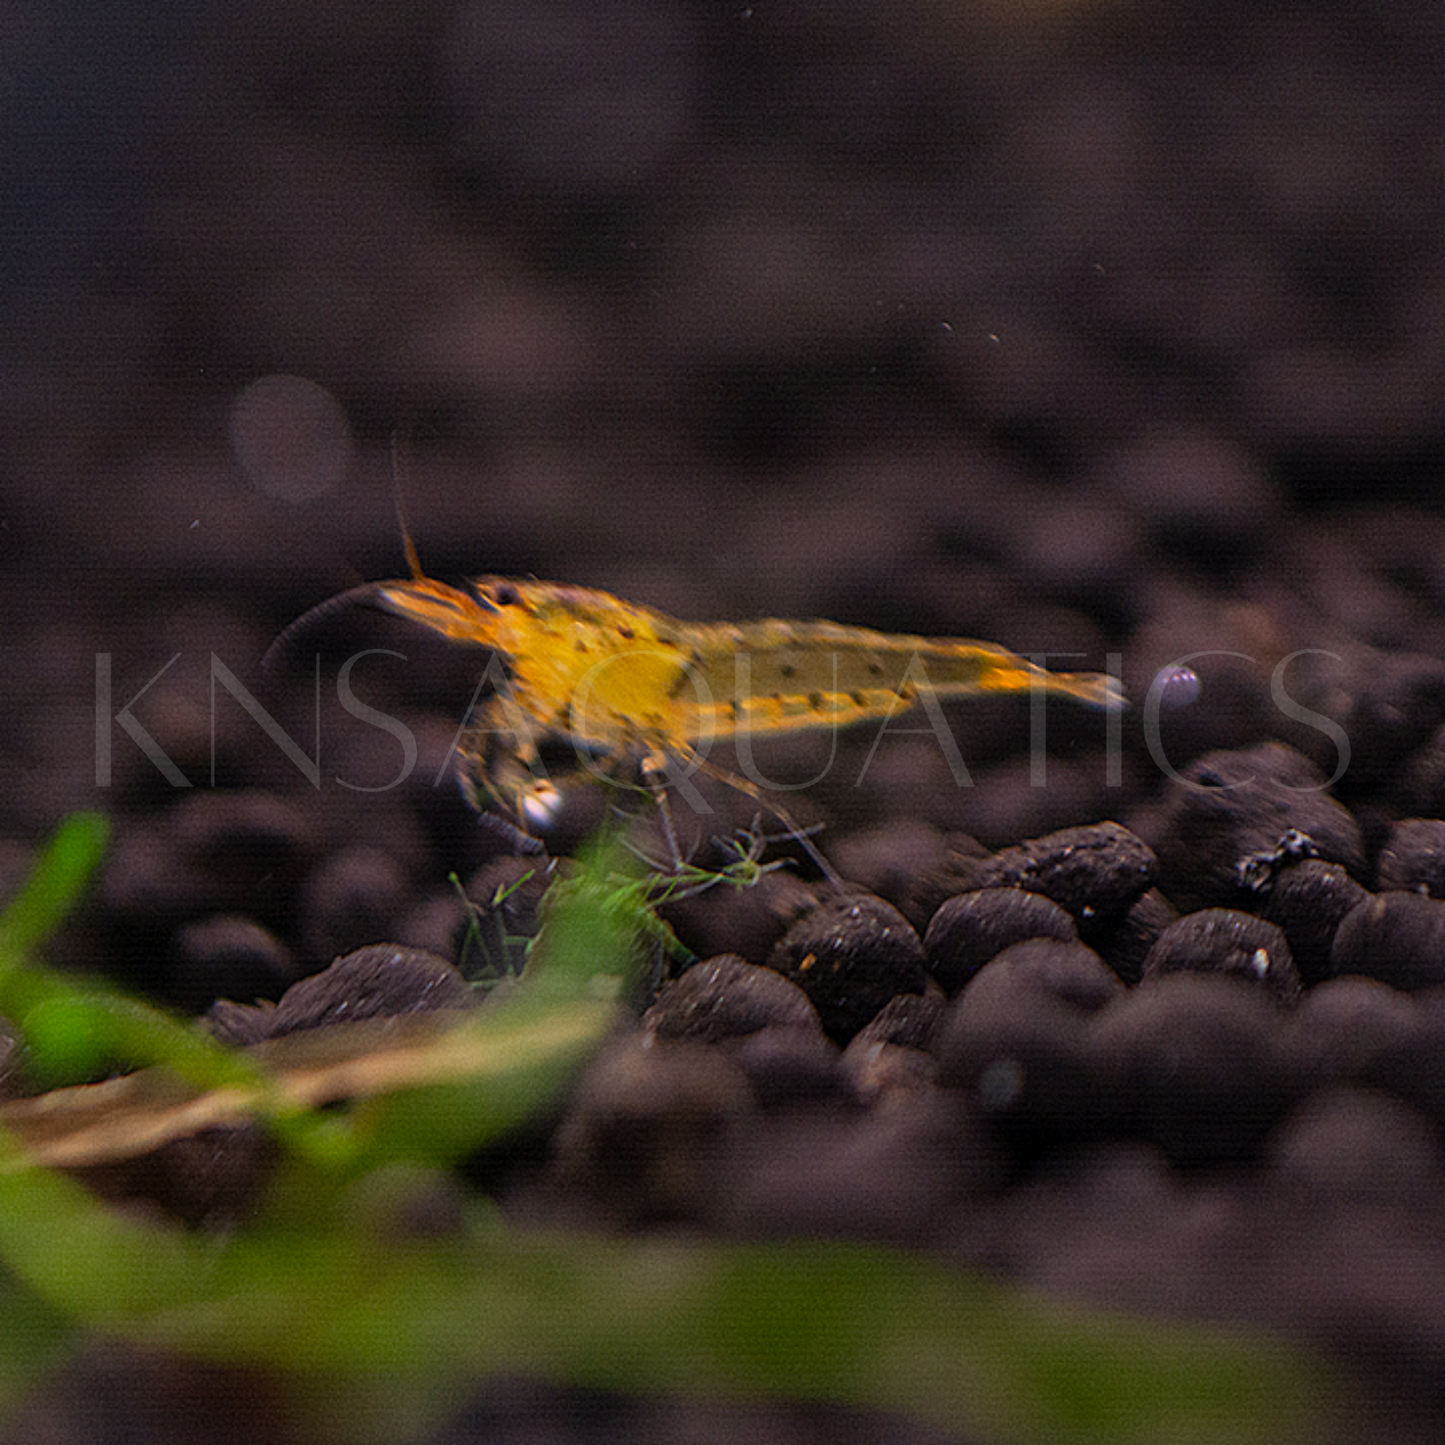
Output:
[[505, 595], [539, 805]]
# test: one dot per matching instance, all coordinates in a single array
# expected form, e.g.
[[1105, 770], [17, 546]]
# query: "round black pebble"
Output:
[[969, 930], [1413, 858], [1410, 1067], [212, 852], [1093, 873], [646, 1127], [791, 1068], [1309, 900], [1357, 1144], [908, 1020], [883, 1070], [227, 956], [1397, 702], [1126, 945], [379, 981], [1195, 1064], [1198, 491], [850, 955], [727, 997], [1221, 940], [1419, 784], [891, 1175], [1227, 813], [1343, 1026], [354, 897], [1398, 938], [910, 864], [888, 1055], [1017, 1038], [745, 921]]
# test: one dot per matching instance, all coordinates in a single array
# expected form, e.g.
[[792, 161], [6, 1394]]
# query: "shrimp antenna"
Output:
[[413, 561], [366, 593]]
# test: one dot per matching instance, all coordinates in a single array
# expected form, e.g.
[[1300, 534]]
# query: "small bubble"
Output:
[[1177, 687], [290, 437], [1000, 1084]]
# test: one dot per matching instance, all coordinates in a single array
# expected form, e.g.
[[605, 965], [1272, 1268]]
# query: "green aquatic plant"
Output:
[[375, 1335]]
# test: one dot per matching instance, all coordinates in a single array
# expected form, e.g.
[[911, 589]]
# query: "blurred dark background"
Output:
[[1047, 323]]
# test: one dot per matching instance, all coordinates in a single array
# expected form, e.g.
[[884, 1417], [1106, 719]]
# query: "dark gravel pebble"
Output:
[[1419, 784], [1126, 945], [520, 1410], [379, 981], [1413, 858], [210, 1179], [1409, 1067], [1398, 938], [1017, 1038], [211, 852], [1344, 1026], [888, 1176], [260, 832], [880, 1070], [850, 955], [1352, 1144], [909, 1020], [889, 1055], [1222, 940], [1197, 492], [972, 928], [1195, 1065], [1398, 699], [909, 863], [108, 1393], [745, 921], [1309, 900], [1229, 811], [354, 897], [1094, 872], [231, 955], [440, 924], [403, 1203], [727, 997], [791, 1068], [647, 1126]]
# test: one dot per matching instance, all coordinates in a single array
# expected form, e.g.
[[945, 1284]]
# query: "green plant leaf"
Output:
[[55, 885]]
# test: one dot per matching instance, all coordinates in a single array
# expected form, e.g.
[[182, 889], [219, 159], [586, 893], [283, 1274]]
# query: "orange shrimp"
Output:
[[621, 681]]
